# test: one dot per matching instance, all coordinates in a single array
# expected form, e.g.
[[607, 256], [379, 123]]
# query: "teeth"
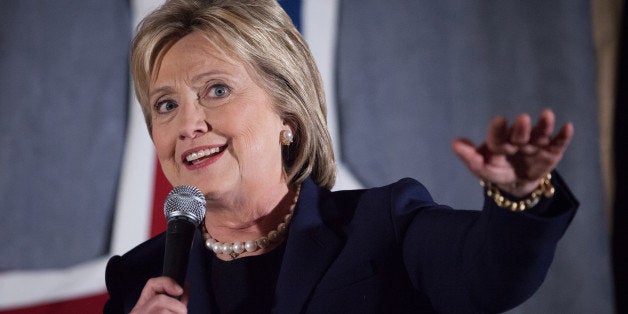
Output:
[[200, 154]]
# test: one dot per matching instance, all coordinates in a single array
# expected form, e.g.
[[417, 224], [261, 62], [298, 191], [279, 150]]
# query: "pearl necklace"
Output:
[[236, 248]]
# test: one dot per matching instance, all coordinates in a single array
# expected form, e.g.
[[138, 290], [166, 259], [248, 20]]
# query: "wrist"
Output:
[[519, 189], [520, 201]]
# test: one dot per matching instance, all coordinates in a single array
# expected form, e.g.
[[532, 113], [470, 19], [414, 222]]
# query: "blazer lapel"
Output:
[[198, 274], [310, 248]]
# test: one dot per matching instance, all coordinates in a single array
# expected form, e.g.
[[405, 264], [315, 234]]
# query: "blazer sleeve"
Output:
[[114, 304], [480, 261], [126, 275]]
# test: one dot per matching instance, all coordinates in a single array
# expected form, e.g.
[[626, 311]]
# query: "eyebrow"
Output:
[[161, 90], [196, 78], [200, 76]]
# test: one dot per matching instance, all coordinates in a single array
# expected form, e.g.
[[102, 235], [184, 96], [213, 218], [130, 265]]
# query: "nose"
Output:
[[192, 121]]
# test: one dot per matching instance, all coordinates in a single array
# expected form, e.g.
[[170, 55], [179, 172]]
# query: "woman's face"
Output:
[[213, 126]]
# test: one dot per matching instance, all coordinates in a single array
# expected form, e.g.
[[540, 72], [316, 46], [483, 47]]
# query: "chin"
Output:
[[213, 187]]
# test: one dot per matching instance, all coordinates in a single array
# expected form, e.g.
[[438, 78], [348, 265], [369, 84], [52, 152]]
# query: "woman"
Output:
[[234, 105]]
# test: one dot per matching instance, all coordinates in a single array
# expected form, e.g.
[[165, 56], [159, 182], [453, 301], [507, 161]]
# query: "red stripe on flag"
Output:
[[162, 188], [93, 304]]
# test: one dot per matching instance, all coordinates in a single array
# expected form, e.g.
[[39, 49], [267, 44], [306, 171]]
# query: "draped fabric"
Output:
[[620, 204], [413, 75], [403, 79], [64, 81], [65, 88]]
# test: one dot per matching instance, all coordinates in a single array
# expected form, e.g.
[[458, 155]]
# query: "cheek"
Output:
[[248, 143], [165, 150], [164, 144], [256, 139], [262, 145]]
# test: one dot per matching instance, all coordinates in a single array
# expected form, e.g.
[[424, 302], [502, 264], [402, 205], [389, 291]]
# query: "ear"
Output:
[[286, 123], [286, 137]]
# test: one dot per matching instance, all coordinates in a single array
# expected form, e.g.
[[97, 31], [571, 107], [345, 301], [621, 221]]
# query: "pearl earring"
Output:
[[286, 137]]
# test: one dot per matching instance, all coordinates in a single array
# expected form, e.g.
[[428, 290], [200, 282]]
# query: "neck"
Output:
[[239, 225]]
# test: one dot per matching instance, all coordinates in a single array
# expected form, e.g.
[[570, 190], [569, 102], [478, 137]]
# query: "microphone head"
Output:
[[187, 202]]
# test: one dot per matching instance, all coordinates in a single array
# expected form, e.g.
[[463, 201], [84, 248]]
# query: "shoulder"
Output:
[[126, 275], [404, 194], [140, 257], [405, 188], [390, 206]]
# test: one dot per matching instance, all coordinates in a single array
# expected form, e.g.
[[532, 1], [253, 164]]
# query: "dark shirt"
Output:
[[247, 284]]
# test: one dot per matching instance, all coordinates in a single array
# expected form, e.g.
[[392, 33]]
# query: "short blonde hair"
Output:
[[262, 35]]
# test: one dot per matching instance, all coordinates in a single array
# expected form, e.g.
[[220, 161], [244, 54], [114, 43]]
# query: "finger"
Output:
[[562, 139], [157, 286], [160, 304], [469, 155], [542, 131], [520, 133], [185, 297], [497, 137]]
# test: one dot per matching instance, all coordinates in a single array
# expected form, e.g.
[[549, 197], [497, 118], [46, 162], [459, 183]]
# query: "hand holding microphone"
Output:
[[184, 209]]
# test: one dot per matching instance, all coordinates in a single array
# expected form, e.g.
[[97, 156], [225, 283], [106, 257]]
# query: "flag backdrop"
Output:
[[79, 180]]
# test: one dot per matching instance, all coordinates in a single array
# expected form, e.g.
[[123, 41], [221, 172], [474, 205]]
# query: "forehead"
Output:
[[192, 55]]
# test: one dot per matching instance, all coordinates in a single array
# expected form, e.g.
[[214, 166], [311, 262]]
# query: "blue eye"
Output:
[[165, 106], [214, 95], [219, 90]]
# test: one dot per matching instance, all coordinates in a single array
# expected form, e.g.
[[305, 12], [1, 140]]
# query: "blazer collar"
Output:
[[310, 248]]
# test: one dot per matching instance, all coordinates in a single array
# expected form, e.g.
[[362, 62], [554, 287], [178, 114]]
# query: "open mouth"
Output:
[[199, 156]]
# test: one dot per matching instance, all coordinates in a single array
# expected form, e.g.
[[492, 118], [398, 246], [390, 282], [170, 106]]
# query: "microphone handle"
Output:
[[179, 239]]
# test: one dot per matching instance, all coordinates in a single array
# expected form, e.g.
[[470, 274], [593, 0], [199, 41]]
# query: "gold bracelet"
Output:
[[545, 188]]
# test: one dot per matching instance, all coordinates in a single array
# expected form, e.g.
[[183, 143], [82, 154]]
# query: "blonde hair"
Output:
[[262, 35]]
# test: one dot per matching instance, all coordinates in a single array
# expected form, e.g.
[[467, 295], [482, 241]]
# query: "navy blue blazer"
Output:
[[390, 249]]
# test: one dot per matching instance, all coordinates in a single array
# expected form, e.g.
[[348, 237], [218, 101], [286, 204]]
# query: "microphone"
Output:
[[184, 209]]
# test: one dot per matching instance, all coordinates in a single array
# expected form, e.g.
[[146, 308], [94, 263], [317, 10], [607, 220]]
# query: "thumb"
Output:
[[469, 154], [172, 288]]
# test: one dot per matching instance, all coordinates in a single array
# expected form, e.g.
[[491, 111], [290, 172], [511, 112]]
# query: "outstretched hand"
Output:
[[515, 157]]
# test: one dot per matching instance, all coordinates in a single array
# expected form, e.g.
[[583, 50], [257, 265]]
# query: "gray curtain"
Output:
[[413, 75], [64, 93]]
